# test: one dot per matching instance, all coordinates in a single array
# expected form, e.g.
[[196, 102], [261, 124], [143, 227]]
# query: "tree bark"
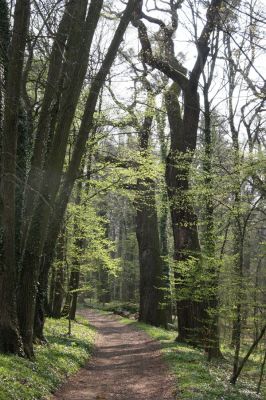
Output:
[[151, 310], [211, 267], [9, 334], [82, 32], [85, 129], [252, 347], [59, 277], [51, 93], [80, 145], [191, 314]]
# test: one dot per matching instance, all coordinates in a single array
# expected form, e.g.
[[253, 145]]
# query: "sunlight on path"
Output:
[[127, 365]]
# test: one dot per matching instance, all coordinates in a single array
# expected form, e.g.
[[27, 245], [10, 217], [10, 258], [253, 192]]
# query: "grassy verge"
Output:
[[21, 379], [198, 379]]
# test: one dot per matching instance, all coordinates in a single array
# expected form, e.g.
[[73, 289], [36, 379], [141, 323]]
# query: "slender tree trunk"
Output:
[[74, 302], [261, 372], [80, 244], [67, 305], [238, 226], [211, 268], [59, 275], [164, 212], [9, 335], [237, 372]]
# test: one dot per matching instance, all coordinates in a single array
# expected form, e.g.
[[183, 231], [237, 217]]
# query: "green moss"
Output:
[[198, 379], [21, 379]]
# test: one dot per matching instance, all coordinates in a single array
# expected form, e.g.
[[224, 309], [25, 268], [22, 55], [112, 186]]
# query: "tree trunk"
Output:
[[83, 31], [42, 131], [10, 340], [151, 288], [151, 309], [211, 266], [191, 313], [59, 276], [80, 145], [237, 372], [74, 301]]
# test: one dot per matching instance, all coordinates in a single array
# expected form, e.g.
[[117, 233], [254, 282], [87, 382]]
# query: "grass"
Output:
[[198, 379], [21, 379]]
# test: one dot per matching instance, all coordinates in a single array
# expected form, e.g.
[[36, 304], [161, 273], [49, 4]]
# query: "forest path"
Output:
[[127, 365]]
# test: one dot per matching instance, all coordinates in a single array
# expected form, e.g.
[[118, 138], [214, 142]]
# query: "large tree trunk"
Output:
[[80, 145], [4, 43], [44, 126], [82, 32], [191, 313], [9, 336], [152, 310]]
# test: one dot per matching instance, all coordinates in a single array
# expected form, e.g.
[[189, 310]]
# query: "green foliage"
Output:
[[21, 379], [198, 379], [84, 224]]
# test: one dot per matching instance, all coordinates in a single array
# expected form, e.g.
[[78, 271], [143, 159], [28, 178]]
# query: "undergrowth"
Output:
[[198, 379], [21, 379]]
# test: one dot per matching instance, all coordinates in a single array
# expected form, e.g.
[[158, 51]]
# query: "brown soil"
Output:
[[126, 365]]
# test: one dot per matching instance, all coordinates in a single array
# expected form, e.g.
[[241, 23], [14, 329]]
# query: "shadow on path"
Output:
[[126, 365]]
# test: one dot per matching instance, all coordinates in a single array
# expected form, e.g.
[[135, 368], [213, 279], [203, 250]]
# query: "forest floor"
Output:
[[127, 365]]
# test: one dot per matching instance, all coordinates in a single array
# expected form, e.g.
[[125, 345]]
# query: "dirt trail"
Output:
[[127, 365]]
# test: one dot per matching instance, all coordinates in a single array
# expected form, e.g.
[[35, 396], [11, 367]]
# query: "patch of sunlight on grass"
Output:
[[21, 379], [198, 379]]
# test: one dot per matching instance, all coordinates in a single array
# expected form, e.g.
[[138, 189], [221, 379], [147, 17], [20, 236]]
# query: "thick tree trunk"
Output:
[[85, 128], [82, 32], [44, 123], [191, 313], [183, 142], [4, 43], [10, 339], [152, 309]]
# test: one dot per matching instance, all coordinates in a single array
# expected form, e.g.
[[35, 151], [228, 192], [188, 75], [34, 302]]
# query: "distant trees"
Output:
[[136, 178]]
